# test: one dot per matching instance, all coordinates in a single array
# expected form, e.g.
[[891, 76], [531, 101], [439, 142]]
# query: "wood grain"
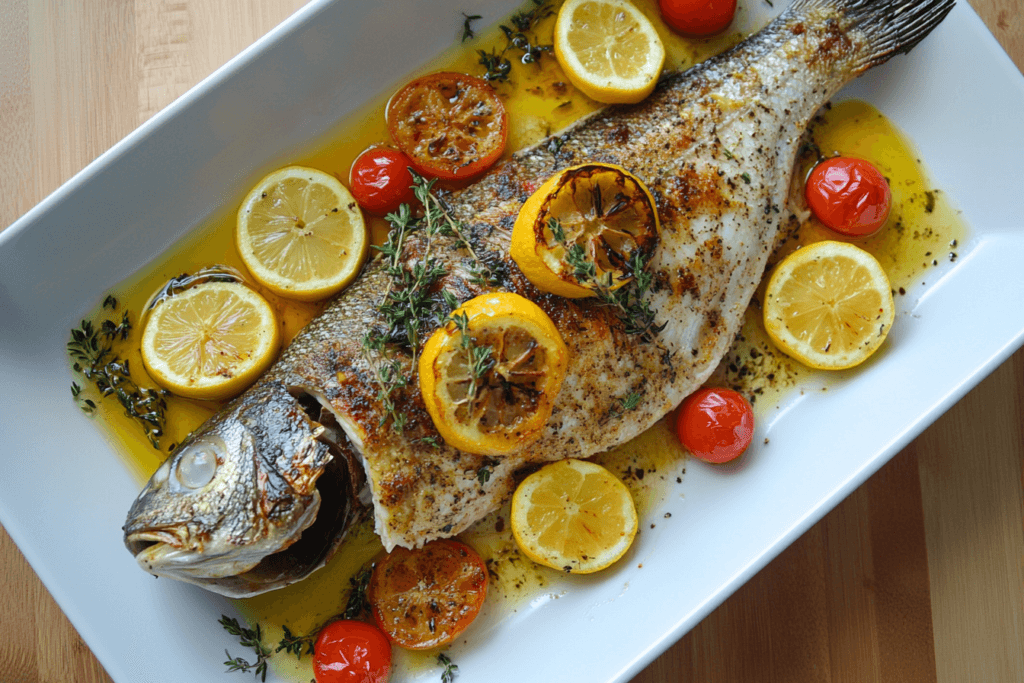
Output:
[[917, 576]]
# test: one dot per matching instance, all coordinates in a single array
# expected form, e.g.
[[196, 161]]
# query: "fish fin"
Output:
[[888, 27]]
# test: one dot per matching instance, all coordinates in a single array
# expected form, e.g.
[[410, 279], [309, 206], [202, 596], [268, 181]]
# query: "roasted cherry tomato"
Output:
[[849, 196], [425, 598], [451, 125], [380, 180], [698, 17], [715, 424], [351, 652]]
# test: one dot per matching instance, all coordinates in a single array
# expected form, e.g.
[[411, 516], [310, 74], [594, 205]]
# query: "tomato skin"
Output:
[[849, 196], [453, 126], [351, 652], [425, 598], [380, 180], [698, 17], [715, 424]]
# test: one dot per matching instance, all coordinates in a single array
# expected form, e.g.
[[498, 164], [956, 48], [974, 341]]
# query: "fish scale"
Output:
[[715, 145]]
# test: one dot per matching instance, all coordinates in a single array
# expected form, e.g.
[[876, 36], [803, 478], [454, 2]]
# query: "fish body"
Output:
[[716, 147]]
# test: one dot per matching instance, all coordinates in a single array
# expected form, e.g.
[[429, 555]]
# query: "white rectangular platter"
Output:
[[64, 492]]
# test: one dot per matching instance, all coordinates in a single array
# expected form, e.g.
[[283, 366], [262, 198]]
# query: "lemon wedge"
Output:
[[829, 305], [608, 49], [211, 341], [573, 515], [490, 384], [603, 211], [301, 234]]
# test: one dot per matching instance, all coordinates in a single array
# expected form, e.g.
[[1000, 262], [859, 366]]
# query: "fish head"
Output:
[[253, 500]]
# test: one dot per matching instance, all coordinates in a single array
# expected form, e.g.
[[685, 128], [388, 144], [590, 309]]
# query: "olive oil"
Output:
[[921, 234]]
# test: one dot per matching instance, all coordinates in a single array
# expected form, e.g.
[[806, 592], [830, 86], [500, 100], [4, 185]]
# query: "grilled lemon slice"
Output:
[[829, 305], [301, 234], [603, 212], [573, 515], [608, 49], [489, 382], [210, 341]]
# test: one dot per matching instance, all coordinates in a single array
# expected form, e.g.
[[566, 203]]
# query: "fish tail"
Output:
[[888, 27]]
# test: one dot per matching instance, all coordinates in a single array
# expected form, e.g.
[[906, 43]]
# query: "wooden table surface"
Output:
[[918, 576]]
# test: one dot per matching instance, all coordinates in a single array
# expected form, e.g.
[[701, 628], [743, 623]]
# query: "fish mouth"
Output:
[[281, 559]]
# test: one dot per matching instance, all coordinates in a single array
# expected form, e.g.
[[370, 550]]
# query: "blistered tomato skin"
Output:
[[380, 180], [849, 196], [698, 17], [452, 125], [351, 652], [425, 598], [715, 424]]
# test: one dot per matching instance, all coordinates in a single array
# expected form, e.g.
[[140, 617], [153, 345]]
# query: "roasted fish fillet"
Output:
[[715, 145]]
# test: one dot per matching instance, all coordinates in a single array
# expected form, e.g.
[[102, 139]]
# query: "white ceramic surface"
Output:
[[64, 493]]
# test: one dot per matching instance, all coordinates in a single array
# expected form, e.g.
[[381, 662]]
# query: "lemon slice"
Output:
[[210, 341], [490, 383], [573, 515], [603, 211], [829, 305], [608, 49], [301, 234]]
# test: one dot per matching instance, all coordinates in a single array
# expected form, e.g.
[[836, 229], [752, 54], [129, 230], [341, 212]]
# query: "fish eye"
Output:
[[197, 467]]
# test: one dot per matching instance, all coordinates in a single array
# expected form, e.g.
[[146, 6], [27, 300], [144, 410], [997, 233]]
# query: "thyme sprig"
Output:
[[247, 637], [497, 66], [481, 358], [467, 28], [92, 350], [448, 675], [411, 301], [358, 604], [629, 301]]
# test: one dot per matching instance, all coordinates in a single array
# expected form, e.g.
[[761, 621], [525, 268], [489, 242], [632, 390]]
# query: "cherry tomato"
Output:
[[351, 652], [849, 196], [380, 180], [698, 17], [715, 424], [425, 598], [451, 125]]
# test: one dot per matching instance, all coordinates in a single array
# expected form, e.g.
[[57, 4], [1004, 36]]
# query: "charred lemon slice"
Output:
[[574, 516], [829, 305], [587, 224], [489, 378], [301, 234], [210, 341]]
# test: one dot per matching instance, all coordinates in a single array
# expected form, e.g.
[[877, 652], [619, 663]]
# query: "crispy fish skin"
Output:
[[715, 145]]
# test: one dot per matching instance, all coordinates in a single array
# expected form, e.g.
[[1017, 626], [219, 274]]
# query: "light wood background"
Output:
[[917, 576]]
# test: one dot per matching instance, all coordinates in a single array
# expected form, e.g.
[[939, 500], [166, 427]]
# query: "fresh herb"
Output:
[[746, 177], [728, 155], [448, 675], [358, 604], [247, 637], [481, 358], [631, 401], [467, 29], [629, 301], [496, 64], [93, 353], [410, 302], [483, 474], [297, 645], [110, 302]]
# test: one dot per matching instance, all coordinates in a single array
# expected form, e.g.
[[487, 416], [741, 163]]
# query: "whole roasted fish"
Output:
[[261, 495]]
